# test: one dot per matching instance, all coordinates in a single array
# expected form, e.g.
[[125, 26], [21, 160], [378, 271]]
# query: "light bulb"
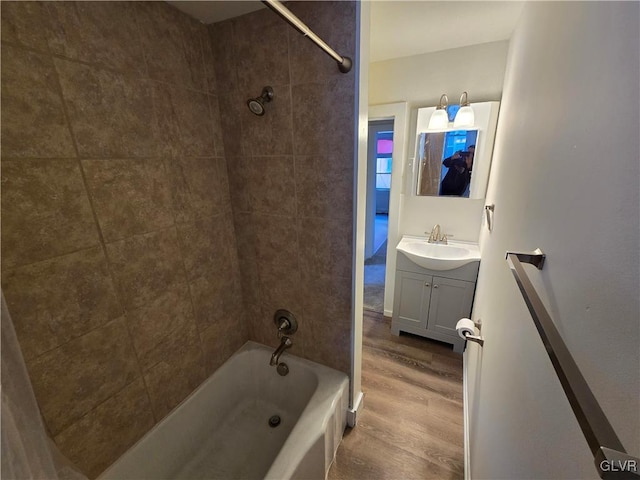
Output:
[[465, 117], [439, 120]]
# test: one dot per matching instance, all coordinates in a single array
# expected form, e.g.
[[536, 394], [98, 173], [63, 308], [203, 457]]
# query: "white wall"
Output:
[[420, 80], [565, 178], [458, 217], [359, 209]]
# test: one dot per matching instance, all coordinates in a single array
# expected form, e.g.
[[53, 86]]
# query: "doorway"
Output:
[[379, 168]]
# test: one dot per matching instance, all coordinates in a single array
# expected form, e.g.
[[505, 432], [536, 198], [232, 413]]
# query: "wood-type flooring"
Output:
[[411, 425]]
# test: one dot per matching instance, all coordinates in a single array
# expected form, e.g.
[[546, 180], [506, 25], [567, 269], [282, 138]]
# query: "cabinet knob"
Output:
[[427, 284], [435, 286]]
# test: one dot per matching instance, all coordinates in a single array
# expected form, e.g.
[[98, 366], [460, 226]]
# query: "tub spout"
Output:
[[285, 342]]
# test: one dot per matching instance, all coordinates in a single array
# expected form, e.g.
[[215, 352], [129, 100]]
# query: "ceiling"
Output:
[[402, 28], [216, 11], [405, 28]]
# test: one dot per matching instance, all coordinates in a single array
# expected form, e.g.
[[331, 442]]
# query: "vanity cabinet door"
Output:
[[412, 299], [451, 300]]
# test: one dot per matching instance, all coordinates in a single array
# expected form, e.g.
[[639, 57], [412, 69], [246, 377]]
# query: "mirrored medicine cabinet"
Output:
[[455, 162]]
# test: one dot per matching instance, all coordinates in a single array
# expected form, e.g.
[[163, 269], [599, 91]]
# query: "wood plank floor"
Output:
[[411, 424]]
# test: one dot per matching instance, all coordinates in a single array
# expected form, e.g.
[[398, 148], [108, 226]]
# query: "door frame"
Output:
[[399, 113], [375, 126]]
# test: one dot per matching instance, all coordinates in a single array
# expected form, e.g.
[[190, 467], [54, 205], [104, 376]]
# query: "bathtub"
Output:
[[222, 430]]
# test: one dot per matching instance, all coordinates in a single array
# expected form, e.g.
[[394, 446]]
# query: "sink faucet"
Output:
[[436, 237], [285, 342], [435, 233]]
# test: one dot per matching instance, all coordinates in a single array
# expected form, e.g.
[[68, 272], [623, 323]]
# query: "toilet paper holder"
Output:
[[467, 334]]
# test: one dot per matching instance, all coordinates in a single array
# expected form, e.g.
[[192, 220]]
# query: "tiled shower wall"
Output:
[[119, 259], [291, 171]]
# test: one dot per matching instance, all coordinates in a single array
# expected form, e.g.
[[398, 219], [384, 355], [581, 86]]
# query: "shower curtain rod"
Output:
[[344, 63]]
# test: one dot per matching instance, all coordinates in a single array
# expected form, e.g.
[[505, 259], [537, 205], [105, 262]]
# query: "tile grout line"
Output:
[[306, 318], [146, 76], [116, 286], [181, 247], [85, 414], [172, 157], [256, 264]]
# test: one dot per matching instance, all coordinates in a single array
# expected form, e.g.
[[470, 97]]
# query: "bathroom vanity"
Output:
[[430, 302]]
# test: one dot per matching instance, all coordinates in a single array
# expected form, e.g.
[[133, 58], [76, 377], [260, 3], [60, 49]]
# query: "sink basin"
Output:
[[437, 256]]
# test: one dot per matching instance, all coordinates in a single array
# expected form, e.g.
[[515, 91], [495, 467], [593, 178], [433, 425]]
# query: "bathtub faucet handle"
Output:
[[285, 325], [285, 322]]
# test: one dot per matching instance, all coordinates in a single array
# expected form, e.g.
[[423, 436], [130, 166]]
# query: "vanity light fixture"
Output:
[[440, 118], [465, 116]]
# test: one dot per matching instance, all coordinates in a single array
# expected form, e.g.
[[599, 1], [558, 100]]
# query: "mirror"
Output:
[[445, 163]]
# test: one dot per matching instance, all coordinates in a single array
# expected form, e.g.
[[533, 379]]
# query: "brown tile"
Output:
[[101, 33], [247, 258], [262, 52], [331, 346], [33, 121], [78, 376], [167, 127], [54, 301], [129, 196], [111, 114], [222, 171], [323, 118], [239, 170], [208, 247], [178, 368], [221, 340], [45, 211], [245, 235], [327, 314], [217, 299], [302, 339], [146, 266], [281, 292], [308, 62], [199, 187], [216, 119], [326, 245], [276, 244], [24, 23], [260, 325], [223, 46], [234, 106], [324, 186], [271, 133], [172, 44], [186, 113], [100, 437], [263, 184], [209, 61], [327, 300], [150, 324]]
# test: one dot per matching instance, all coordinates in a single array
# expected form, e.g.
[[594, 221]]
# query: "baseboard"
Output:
[[352, 413], [388, 313], [465, 414]]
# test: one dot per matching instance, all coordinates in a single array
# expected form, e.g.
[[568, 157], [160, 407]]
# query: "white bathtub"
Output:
[[221, 431]]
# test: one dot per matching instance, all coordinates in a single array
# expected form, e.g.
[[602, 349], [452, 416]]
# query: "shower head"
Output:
[[256, 105]]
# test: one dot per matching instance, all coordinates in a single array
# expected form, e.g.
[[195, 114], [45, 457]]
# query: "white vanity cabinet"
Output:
[[430, 302]]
